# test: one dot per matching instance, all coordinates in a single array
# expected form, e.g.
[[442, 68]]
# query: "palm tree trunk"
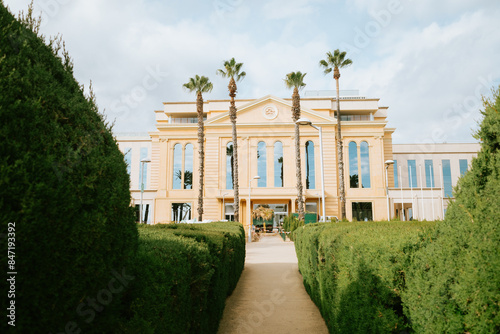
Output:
[[232, 114], [201, 154], [298, 170], [340, 150]]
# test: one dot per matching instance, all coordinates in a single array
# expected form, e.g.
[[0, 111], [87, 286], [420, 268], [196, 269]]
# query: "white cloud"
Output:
[[427, 58]]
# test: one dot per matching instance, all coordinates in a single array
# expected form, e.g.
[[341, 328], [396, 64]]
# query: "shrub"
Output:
[[291, 223], [454, 280], [63, 182], [184, 273], [355, 272]]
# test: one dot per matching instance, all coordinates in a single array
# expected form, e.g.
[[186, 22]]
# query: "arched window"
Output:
[[310, 171], [278, 164], [365, 164], [188, 166], [229, 165], [353, 165], [261, 164], [177, 176]]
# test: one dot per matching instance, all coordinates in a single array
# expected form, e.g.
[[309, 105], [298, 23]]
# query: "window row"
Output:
[[429, 174], [277, 163]]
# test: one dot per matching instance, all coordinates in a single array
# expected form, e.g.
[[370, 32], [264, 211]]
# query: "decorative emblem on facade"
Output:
[[270, 111]]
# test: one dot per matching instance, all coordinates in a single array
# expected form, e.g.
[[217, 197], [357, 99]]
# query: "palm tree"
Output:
[[232, 70], [295, 80], [334, 62], [200, 85]]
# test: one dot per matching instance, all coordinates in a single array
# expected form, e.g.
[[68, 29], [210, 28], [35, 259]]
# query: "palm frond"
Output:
[[199, 84], [295, 80], [231, 70]]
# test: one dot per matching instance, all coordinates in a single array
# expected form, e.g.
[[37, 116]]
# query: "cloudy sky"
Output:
[[428, 61]]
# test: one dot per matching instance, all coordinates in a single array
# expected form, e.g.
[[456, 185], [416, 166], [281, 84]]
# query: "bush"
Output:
[[184, 273], [64, 183], [355, 272], [291, 223], [454, 280]]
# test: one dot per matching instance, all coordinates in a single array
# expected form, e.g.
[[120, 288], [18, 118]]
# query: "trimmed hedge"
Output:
[[355, 272], [64, 183], [183, 274], [454, 279]]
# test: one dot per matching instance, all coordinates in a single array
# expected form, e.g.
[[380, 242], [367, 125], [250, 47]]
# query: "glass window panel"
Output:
[[396, 180], [177, 177], [229, 166], [362, 211], [144, 173], [448, 191], [353, 165], [181, 211], [310, 168], [463, 166], [429, 174], [412, 174], [128, 159], [261, 164], [188, 167], [365, 164], [278, 164]]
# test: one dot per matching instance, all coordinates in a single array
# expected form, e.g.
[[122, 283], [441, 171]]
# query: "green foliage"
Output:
[[184, 272], [454, 280], [63, 182], [355, 272], [291, 223]]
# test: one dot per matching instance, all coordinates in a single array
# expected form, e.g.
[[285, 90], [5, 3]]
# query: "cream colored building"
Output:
[[266, 148]]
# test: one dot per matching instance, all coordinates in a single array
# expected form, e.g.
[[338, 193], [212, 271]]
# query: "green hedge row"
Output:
[[355, 272], [183, 274]]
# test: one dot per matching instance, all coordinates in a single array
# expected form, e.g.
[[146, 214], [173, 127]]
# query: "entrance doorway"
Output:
[[280, 211]]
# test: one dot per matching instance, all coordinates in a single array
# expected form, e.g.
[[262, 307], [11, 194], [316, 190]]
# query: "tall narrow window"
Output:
[[396, 180], [127, 156], [412, 174], [365, 164], [261, 164], [278, 164], [310, 170], [188, 167], [463, 166], [229, 166], [144, 175], [448, 192], [177, 176], [429, 174], [353, 165]]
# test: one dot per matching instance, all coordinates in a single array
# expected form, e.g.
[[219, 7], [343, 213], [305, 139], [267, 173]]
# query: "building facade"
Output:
[[266, 149]]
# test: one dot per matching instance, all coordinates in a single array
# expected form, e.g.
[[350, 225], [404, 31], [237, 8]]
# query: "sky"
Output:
[[429, 61]]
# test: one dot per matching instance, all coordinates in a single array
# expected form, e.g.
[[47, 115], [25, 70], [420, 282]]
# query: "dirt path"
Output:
[[270, 296]]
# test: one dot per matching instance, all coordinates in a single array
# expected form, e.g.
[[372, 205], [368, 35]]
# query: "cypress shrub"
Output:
[[184, 274], [454, 279], [64, 184]]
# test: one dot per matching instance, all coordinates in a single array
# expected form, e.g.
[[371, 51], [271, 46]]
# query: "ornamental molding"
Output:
[[270, 111]]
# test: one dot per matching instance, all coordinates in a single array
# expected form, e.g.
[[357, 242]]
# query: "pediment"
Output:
[[268, 110]]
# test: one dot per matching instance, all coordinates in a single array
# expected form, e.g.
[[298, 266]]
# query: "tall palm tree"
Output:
[[295, 80], [232, 70], [334, 62], [200, 85]]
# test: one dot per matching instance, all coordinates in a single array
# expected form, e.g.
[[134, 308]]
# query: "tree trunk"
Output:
[[201, 154], [232, 114], [340, 150], [298, 172]]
